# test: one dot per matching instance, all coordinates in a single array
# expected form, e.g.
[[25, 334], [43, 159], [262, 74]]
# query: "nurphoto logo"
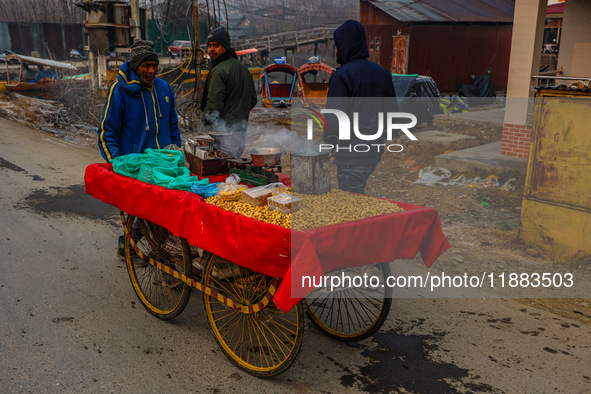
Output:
[[392, 121]]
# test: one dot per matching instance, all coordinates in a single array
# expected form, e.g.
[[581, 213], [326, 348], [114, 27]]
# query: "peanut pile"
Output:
[[264, 214], [338, 206], [321, 210]]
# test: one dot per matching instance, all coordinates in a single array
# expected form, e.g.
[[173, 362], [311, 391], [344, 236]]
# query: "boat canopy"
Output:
[[43, 62], [246, 51], [313, 92], [277, 94]]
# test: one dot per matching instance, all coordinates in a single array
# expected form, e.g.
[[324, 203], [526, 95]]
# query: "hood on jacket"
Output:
[[129, 80], [350, 41]]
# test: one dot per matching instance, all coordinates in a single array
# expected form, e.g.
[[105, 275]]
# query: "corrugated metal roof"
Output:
[[500, 11], [565, 88]]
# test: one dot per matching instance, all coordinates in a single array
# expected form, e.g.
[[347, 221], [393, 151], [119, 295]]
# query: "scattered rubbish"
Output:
[[508, 187], [442, 176], [489, 181], [453, 104], [532, 252], [433, 175], [410, 162], [484, 204]]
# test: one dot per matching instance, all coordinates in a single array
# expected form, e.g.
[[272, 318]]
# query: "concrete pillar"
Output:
[[526, 49], [575, 44]]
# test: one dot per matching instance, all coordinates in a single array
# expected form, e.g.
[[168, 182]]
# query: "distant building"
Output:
[[448, 40]]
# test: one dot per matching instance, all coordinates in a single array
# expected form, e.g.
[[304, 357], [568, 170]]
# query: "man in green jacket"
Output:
[[228, 95]]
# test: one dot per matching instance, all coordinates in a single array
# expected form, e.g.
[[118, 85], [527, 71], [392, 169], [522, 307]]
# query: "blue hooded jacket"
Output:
[[136, 117], [358, 77]]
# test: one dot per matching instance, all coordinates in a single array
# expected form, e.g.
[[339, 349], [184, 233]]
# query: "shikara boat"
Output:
[[313, 83], [43, 79], [278, 85]]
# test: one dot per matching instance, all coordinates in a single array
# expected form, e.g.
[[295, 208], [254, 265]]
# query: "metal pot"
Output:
[[266, 157], [310, 173]]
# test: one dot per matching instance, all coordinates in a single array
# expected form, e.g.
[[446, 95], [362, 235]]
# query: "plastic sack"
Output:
[[174, 147], [231, 188], [205, 191], [162, 176], [128, 165], [166, 156], [257, 196], [186, 182], [159, 158]]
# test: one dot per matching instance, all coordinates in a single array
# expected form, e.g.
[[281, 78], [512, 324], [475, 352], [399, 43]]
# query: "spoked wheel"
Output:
[[263, 343], [353, 314], [161, 294]]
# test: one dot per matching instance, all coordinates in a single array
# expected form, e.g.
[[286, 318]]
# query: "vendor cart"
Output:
[[248, 271]]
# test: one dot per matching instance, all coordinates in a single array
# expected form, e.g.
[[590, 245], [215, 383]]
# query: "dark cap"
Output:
[[141, 51], [221, 36]]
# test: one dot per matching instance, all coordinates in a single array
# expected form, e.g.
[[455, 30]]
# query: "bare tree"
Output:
[[58, 11]]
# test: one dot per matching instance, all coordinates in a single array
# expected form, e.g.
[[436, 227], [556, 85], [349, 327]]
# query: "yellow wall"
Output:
[[558, 232], [556, 209]]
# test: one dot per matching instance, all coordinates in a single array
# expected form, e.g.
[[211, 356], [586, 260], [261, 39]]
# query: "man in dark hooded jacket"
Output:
[[228, 95], [362, 87]]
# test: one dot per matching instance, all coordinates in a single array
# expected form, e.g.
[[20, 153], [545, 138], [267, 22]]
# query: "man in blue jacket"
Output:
[[139, 114], [362, 87], [140, 109]]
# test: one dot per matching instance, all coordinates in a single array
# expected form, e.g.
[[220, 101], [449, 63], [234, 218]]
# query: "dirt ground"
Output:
[[477, 220]]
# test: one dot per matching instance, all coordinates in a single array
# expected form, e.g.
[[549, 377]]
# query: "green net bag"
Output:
[[146, 169], [167, 157], [163, 176], [156, 158], [128, 165], [186, 181]]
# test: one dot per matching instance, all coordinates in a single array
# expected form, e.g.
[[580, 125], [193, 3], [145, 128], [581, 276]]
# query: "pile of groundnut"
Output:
[[334, 207]]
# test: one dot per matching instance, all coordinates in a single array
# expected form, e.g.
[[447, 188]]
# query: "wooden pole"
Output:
[[135, 16], [94, 77], [197, 54]]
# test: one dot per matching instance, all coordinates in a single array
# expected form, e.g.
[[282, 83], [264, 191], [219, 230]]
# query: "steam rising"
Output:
[[279, 137]]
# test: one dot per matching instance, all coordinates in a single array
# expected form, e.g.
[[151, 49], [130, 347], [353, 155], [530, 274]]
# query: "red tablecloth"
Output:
[[267, 248]]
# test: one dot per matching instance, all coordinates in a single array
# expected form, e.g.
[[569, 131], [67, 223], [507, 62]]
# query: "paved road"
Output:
[[69, 320]]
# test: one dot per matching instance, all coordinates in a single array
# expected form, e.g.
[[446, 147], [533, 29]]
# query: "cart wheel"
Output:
[[353, 314], [154, 288], [264, 343]]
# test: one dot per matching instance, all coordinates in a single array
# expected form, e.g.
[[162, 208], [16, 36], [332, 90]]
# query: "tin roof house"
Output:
[[448, 40]]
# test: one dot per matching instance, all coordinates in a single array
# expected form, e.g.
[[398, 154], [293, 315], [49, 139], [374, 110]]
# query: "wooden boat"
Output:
[[45, 79], [313, 83], [277, 89]]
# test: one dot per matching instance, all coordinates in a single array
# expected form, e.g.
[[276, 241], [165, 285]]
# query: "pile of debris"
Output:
[[48, 116], [442, 176]]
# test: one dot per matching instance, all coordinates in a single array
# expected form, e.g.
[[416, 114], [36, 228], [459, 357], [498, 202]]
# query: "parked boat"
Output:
[[278, 85], [313, 83], [29, 80]]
